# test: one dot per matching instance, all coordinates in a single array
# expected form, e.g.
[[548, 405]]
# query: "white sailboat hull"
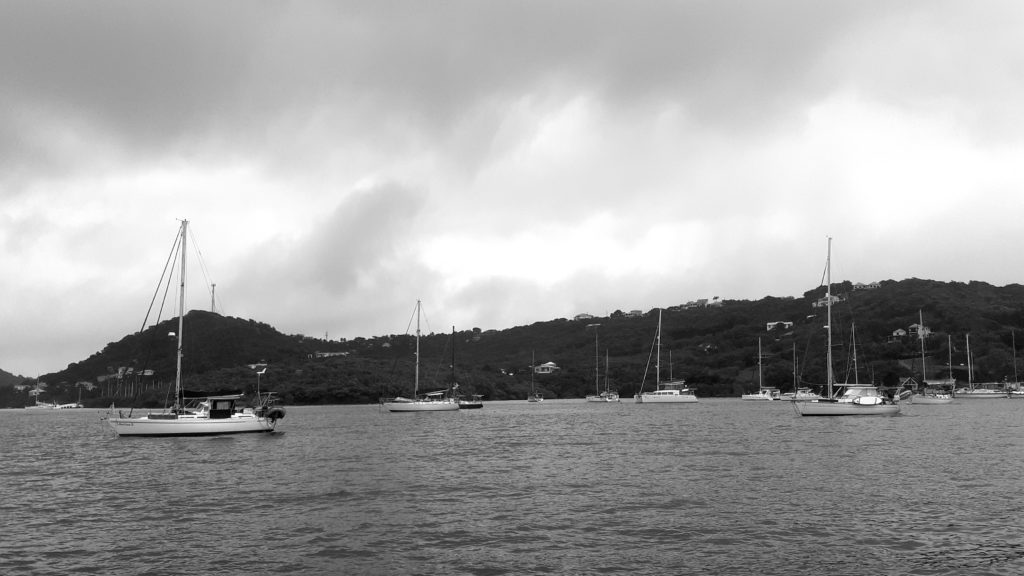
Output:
[[845, 409], [923, 399], [192, 426], [662, 398], [421, 406], [980, 394], [604, 397]]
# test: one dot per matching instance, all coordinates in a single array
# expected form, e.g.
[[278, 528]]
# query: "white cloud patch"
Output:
[[505, 163]]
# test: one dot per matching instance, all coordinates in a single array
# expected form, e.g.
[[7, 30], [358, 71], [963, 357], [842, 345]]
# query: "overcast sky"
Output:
[[506, 162]]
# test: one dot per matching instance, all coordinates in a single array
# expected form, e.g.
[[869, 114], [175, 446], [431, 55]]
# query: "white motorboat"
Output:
[[669, 392], [198, 415]]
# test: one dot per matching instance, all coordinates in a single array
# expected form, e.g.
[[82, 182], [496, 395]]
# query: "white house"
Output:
[[546, 368]]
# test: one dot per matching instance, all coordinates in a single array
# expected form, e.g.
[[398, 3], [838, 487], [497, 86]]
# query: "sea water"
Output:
[[557, 487]]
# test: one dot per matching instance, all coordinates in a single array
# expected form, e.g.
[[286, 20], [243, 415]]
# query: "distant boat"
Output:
[[763, 393], [935, 392], [534, 396], [799, 393], [803, 394], [438, 401], [607, 395], [974, 391], [670, 392], [474, 401], [198, 415], [855, 399]]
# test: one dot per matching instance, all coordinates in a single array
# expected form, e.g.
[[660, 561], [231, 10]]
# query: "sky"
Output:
[[504, 162]]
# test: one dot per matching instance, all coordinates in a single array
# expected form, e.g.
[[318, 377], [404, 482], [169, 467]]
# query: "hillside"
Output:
[[8, 379], [714, 348]]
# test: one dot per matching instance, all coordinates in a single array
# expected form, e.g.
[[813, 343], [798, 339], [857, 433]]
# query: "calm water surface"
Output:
[[559, 487]]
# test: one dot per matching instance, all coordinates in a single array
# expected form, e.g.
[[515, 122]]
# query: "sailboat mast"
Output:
[[657, 363], [920, 336], [606, 388], [416, 381], [853, 335], [1013, 345], [181, 311], [760, 380], [796, 383], [970, 368], [828, 304], [533, 369], [949, 353]]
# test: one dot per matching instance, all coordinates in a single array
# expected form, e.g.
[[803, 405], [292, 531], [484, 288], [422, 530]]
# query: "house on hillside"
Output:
[[868, 286], [897, 335], [703, 303], [546, 368], [824, 301], [583, 316], [784, 324]]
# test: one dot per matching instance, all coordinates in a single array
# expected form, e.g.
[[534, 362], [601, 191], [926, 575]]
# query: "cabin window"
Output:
[[221, 408]]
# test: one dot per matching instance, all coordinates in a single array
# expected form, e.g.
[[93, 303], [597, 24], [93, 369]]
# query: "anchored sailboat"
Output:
[[607, 395], [855, 399], [670, 392], [199, 415], [534, 395], [930, 394], [762, 393], [438, 401]]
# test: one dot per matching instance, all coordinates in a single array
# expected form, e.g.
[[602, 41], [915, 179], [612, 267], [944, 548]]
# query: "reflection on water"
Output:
[[722, 487]]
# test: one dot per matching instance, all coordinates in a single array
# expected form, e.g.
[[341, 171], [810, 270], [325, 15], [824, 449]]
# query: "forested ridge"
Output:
[[714, 348]]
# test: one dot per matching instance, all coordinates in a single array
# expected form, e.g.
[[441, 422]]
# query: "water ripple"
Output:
[[563, 487]]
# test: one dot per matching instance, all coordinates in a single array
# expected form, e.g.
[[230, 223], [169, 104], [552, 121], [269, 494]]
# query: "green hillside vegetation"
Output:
[[713, 348]]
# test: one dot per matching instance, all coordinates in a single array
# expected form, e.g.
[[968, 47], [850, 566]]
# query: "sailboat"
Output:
[[1015, 391], [475, 400], [670, 392], [534, 395], [762, 392], [929, 394], [198, 415], [977, 392], [799, 393], [438, 401], [607, 395], [855, 399]]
